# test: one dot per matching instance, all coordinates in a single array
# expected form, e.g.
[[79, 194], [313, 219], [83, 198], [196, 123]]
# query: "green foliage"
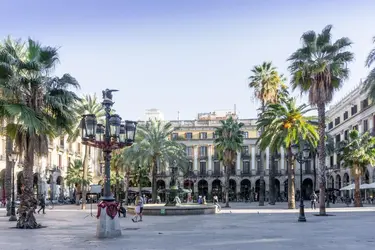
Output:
[[369, 84], [229, 140], [74, 175], [84, 106], [319, 67], [358, 151], [284, 124], [40, 103], [267, 83]]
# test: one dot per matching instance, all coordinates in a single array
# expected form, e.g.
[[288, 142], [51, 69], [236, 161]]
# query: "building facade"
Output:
[[354, 111], [50, 170], [207, 172]]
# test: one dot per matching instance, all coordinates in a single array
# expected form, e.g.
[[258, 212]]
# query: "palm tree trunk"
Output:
[[78, 191], [357, 191], [271, 186], [85, 170], [261, 169], [126, 188], [291, 182], [314, 166], [321, 154], [28, 201], [227, 177], [8, 173], [154, 173]]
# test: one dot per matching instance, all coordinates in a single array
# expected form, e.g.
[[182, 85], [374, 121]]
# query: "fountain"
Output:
[[173, 204]]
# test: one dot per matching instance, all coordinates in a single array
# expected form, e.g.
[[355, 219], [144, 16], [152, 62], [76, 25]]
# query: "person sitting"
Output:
[[121, 210]]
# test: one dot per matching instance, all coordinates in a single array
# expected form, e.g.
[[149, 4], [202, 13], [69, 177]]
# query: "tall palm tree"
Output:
[[286, 124], [319, 68], [369, 84], [154, 137], [74, 177], [229, 140], [18, 47], [357, 153], [117, 170], [267, 84], [40, 105], [86, 105]]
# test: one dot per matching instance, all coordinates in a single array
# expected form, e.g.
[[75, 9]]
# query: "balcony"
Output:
[[308, 171], [203, 157], [161, 174], [245, 173], [245, 155], [217, 174], [202, 174]]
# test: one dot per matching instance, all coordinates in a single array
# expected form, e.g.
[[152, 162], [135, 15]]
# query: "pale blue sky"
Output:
[[188, 56]]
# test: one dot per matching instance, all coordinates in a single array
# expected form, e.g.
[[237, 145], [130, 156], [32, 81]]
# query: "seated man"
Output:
[[121, 210]]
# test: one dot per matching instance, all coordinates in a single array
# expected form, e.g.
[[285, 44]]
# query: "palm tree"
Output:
[[357, 153], [86, 105], [159, 150], [286, 124], [369, 84], [117, 170], [40, 105], [267, 84], [229, 139], [75, 178], [319, 67]]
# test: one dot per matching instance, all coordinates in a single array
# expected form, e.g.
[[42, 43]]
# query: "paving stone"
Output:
[[273, 228]]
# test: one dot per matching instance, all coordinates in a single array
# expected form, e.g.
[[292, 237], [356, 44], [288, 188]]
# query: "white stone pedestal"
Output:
[[108, 227]]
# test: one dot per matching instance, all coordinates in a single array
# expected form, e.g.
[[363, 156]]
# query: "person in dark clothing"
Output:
[[121, 210], [42, 204]]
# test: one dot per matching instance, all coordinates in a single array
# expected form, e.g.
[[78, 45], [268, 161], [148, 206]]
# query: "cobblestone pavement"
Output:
[[277, 229]]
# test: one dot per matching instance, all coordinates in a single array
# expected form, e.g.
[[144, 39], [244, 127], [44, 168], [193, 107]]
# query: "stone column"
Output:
[[253, 158], [282, 158], [195, 157], [209, 162], [334, 154], [238, 163]]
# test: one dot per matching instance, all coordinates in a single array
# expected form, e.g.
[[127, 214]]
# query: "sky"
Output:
[[186, 56]]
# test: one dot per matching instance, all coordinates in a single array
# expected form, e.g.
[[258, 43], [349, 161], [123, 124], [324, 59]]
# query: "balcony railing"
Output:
[[217, 174], [202, 174], [245, 173], [161, 174]]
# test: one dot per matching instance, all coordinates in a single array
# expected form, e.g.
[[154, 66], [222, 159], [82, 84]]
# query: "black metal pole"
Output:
[[107, 157], [301, 217], [13, 207]]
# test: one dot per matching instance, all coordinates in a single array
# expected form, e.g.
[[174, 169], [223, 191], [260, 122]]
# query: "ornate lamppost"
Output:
[[13, 159], [301, 158], [114, 134]]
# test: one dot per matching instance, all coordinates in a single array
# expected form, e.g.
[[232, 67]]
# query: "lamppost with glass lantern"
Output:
[[301, 158], [112, 135], [13, 159]]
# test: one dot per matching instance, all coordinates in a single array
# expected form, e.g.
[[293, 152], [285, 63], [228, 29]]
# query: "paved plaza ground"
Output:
[[244, 226]]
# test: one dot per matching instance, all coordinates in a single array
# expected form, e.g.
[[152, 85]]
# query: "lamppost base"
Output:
[[13, 218], [301, 219], [108, 227]]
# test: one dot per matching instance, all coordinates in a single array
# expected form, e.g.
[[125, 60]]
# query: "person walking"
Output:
[[313, 199], [42, 204], [138, 204]]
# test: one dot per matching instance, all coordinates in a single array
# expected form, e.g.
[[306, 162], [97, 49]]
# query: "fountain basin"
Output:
[[183, 209]]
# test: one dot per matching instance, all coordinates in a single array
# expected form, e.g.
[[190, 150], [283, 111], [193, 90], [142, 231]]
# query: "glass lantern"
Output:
[[122, 133], [99, 136], [115, 123], [89, 126], [306, 151], [294, 149], [130, 131]]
